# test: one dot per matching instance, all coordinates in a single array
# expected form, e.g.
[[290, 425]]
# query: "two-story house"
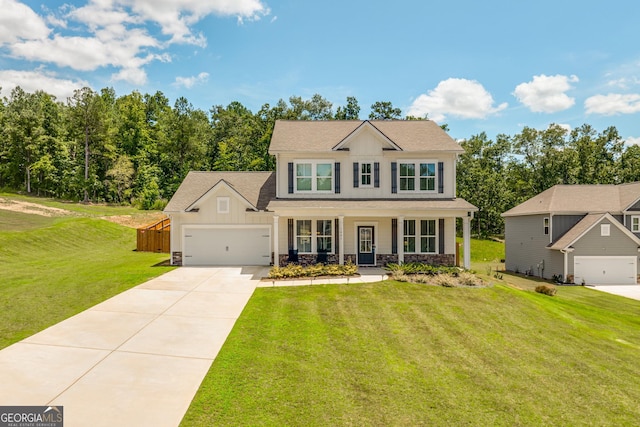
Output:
[[583, 233], [369, 192]]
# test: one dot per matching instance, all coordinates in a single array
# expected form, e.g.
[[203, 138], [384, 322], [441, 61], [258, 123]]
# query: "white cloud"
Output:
[[632, 140], [32, 81], [546, 94], [189, 82], [462, 98], [112, 33], [613, 103], [624, 82], [19, 22]]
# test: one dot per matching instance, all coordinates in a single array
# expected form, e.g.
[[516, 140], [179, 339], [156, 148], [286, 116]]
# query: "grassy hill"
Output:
[[56, 266]]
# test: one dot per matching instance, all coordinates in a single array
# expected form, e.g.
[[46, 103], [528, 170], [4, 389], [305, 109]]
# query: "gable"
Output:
[[220, 190], [588, 232], [366, 139]]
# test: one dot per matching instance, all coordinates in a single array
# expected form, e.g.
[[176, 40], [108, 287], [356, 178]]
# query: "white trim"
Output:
[[371, 175], [632, 218], [418, 236], [314, 234], [605, 230], [416, 177], [314, 175]]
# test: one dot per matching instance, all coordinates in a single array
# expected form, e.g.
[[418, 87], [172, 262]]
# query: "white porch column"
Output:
[[400, 242], [341, 239], [276, 251], [466, 236]]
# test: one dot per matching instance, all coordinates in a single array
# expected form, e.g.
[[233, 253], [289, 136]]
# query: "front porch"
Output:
[[428, 237]]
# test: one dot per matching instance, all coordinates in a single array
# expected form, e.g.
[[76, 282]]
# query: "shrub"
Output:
[[420, 268], [295, 270], [444, 280], [546, 289], [467, 279]]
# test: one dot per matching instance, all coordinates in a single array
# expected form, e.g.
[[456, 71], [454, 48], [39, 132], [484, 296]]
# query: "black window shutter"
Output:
[[394, 235], [441, 236], [336, 166], [376, 174], [394, 177], [290, 233], [290, 177], [440, 177], [356, 174]]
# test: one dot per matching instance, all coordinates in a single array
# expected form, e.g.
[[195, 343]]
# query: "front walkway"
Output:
[[138, 358]]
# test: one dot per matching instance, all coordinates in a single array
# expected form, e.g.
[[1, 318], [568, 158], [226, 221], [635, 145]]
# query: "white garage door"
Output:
[[594, 270], [226, 246]]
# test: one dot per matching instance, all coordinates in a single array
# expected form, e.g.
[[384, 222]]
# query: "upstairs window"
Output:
[[314, 176], [545, 225], [365, 174], [635, 224], [422, 172]]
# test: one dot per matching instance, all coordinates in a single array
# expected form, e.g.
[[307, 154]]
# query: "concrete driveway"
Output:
[[629, 291], [136, 359]]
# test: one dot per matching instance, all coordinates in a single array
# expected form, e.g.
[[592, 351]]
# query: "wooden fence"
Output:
[[155, 237]]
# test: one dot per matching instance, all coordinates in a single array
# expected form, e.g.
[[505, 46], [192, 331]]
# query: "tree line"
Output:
[[137, 148]]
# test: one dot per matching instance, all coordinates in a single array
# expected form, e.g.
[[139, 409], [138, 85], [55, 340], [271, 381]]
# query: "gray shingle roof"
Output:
[[579, 199], [322, 136], [257, 187]]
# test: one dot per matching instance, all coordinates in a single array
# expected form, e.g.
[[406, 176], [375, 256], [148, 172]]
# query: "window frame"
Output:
[[364, 174], [546, 225], [415, 181], [635, 229], [324, 235], [223, 205], [314, 175], [419, 234], [605, 230], [313, 235]]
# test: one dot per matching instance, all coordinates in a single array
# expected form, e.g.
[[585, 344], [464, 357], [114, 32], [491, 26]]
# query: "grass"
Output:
[[55, 267], [394, 353]]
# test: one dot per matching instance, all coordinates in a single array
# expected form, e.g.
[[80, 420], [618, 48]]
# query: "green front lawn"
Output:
[[394, 353], [52, 268]]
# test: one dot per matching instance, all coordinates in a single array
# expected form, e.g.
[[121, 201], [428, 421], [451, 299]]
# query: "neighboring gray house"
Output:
[[369, 192], [584, 233]]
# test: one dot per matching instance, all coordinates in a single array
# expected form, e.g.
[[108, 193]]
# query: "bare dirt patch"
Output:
[[32, 208], [136, 221]]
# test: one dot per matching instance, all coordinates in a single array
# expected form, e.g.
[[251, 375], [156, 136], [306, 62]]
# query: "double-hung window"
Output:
[[314, 176], [314, 236], [324, 235], [365, 174], [425, 236], [635, 224], [545, 225], [423, 172]]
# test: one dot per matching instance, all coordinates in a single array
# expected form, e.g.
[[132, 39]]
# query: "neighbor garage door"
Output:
[[226, 246], [594, 270]]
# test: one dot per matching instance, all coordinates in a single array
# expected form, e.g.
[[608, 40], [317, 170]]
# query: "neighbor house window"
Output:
[[635, 224], [314, 176], [324, 235], [428, 236], [365, 174], [426, 177], [223, 205], [545, 225], [409, 235], [303, 235], [605, 230]]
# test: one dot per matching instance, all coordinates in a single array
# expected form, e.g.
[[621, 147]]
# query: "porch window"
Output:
[[365, 174], [409, 235], [635, 224], [324, 235], [428, 236], [303, 235]]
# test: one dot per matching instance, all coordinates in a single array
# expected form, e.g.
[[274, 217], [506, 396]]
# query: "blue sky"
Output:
[[492, 66]]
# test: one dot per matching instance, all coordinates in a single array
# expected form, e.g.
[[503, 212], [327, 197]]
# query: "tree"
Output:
[[349, 112], [384, 111]]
